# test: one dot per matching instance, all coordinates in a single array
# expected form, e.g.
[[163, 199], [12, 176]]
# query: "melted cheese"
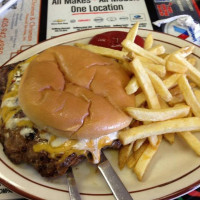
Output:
[[55, 146], [10, 105], [58, 145]]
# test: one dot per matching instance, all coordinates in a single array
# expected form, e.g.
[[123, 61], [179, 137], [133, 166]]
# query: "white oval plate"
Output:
[[174, 170]]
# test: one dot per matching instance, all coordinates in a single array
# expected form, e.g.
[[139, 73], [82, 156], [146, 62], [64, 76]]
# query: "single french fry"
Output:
[[148, 42], [145, 83], [189, 95], [160, 70], [145, 159], [158, 128], [159, 86], [139, 99], [131, 161], [170, 137], [142, 52], [144, 114], [132, 86], [175, 67], [171, 81], [191, 140], [124, 153], [157, 50], [138, 144], [185, 51], [120, 55], [133, 158], [133, 32]]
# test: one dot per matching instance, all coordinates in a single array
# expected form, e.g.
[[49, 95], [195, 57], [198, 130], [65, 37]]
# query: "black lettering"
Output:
[[78, 9], [56, 2]]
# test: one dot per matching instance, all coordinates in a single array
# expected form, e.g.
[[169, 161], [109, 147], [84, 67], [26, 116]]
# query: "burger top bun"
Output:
[[75, 93]]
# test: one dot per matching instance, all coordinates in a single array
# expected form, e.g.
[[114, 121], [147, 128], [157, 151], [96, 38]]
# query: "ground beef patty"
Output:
[[19, 149]]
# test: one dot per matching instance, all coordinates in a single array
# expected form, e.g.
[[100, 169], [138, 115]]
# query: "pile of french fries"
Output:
[[167, 99]]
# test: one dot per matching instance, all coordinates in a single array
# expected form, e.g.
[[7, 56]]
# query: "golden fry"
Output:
[[133, 32], [139, 99], [133, 158], [175, 67], [120, 55], [192, 141], [124, 153], [159, 86], [132, 86], [145, 159], [158, 128], [157, 50], [192, 72], [144, 114], [138, 144], [145, 83], [148, 42], [189, 95]]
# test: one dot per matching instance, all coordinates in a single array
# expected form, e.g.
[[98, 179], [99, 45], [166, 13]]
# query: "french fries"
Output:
[[145, 114], [144, 160], [134, 157], [167, 98], [192, 72], [157, 50], [127, 44], [132, 86], [160, 70], [139, 99], [189, 95], [175, 67], [172, 80], [145, 83], [169, 83], [148, 41], [124, 153], [120, 55], [159, 86], [191, 140], [158, 128]]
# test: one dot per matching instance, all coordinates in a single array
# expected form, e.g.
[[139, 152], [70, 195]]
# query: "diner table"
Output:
[[24, 23]]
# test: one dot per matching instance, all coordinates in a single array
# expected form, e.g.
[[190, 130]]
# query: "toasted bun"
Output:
[[74, 93]]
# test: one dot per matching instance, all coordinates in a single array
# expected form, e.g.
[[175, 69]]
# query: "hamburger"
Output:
[[62, 106]]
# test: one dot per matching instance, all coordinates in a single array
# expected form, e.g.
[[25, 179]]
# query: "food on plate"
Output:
[[160, 93], [61, 105], [70, 102]]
